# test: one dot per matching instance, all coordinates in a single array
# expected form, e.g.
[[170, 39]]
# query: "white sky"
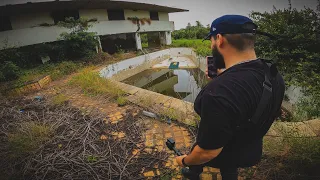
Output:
[[207, 10]]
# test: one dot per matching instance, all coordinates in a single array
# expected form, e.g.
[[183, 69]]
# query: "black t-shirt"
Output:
[[228, 101]]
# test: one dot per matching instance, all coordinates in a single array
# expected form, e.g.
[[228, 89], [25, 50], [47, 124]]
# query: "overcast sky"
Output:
[[207, 10]]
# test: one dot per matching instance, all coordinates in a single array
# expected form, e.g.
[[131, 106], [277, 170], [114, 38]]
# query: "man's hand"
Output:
[[219, 71], [198, 156], [179, 160]]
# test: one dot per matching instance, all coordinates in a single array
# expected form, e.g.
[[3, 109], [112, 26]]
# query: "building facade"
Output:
[[31, 22]]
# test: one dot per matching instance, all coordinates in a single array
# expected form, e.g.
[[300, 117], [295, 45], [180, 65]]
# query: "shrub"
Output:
[[78, 43], [290, 158], [11, 54], [192, 32], [296, 49], [55, 50], [92, 84], [64, 68], [201, 48], [121, 101], [308, 107], [24, 57], [9, 71]]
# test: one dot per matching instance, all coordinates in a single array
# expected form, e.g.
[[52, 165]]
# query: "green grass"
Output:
[[55, 70], [92, 159], [170, 113], [290, 158], [92, 84], [145, 45], [201, 48], [27, 138], [304, 149], [121, 101], [64, 68], [59, 99]]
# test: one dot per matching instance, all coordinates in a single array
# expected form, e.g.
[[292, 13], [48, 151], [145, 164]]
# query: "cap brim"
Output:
[[208, 37]]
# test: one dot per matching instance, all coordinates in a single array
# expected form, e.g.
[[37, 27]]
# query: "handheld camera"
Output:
[[171, 145]]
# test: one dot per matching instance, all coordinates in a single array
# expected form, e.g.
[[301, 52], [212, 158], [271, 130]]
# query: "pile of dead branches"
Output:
[[76, 145]]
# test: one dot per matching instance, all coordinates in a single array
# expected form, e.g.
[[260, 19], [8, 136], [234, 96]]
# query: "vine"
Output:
[[139, 21]]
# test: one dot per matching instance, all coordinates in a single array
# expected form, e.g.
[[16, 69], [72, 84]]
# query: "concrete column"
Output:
[[165, 38], [138, 41], [99, 47], [168, 38]]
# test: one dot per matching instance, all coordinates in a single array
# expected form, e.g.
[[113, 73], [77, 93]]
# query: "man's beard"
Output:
[[219, 60]]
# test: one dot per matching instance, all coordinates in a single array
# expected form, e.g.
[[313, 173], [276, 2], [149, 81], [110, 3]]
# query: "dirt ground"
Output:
[[155, 135]]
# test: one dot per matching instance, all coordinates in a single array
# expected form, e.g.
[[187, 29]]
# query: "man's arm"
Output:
[[199, 156], [214, 130]]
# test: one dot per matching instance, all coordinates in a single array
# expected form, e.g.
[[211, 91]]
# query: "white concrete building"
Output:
[[30, 22]]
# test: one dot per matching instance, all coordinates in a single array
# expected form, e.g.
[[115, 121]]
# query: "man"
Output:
[[238, 106]]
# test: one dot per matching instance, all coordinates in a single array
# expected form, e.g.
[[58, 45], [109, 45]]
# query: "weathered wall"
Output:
[[163, 16], [26, 30], [99, 14], [30, 20], [123, 69], [35, 35], [160, 104]]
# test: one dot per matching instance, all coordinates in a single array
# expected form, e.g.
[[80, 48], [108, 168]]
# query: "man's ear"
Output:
[[212, 42], [220, 41]]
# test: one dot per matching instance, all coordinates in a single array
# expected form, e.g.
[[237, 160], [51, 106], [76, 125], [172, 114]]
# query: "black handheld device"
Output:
[[171, 145], [212, 70], [213, 65]]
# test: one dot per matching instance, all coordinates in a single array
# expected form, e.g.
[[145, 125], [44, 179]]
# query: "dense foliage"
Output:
[[201, 48], [295, 49], [192, 32], [9, 71], [78, 43]]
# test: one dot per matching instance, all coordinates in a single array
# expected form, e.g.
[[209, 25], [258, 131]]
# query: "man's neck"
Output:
[[234, 58]]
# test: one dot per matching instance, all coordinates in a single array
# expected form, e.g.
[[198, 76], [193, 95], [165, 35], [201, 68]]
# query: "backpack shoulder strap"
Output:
[[270, 72]]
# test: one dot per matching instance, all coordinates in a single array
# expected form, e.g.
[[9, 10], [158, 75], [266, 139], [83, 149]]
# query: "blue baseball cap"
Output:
[[231, 24]]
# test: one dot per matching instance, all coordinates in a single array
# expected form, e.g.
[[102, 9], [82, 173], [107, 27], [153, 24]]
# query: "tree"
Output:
[[188, 26], [296, 49], [78, 43], [198, 24], [191, 32]]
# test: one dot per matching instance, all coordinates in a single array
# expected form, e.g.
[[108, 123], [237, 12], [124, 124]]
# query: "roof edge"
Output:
[[125, 4]]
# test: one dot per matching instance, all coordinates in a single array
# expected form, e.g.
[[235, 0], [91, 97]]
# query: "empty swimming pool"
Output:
[[183, 84]]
